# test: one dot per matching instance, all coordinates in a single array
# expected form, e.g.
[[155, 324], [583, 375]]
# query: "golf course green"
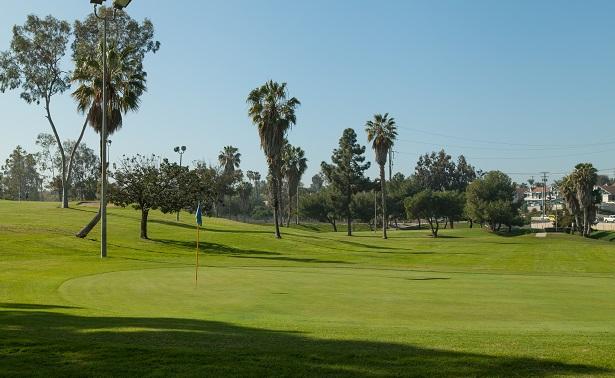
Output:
[[470, 303]]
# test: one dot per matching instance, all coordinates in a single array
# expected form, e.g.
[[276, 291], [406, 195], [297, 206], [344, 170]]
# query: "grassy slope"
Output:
[[469, 303]]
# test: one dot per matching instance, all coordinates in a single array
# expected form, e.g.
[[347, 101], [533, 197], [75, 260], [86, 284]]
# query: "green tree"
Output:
[[124, 32], [321, 206], [86, 171], [140, 183], [399, 188], [345, 173], [126, 78], [463, 174], [137, 184], [125, 85], [254, 178], [274, 114], [455, 205], [20, 179], [318, 181], [209, 178], [244, 190], [433, 206], [362, 207], [435, 171], [438, 172], [46, 157], [294, 166], [229, 158], [34, 64], [382, 132], [491, 199], [126, 82]]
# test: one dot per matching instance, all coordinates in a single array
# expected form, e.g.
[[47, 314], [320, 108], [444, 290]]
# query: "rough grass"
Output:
[[315, 303]]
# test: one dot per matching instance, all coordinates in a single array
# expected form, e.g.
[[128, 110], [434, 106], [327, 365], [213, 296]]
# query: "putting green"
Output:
[[354, 297]]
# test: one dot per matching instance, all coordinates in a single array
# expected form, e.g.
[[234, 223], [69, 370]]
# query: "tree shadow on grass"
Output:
[[328, 243], [59, 344], [293, 259], [207, 229], [33, 306], [604, 235], [215, 248]]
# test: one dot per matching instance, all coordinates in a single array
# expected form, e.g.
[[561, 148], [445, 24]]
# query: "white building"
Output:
[[608, 197]]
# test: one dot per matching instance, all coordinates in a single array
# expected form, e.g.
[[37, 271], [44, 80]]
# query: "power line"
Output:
[[504, 143], [605, 170], [524, 157], [519, 149]]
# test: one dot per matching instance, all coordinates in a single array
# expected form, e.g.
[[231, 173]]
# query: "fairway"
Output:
[[313, 303]]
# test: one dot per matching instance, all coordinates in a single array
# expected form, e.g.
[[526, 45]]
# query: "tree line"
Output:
[[439, 192]]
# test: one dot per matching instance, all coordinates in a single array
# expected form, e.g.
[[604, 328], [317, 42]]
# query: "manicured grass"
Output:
[[314, 303]]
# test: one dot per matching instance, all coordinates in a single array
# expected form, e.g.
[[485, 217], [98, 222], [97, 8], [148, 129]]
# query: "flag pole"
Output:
[[196, 272]]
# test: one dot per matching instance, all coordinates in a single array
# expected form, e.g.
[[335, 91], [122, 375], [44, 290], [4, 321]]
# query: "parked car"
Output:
[[609, 219]]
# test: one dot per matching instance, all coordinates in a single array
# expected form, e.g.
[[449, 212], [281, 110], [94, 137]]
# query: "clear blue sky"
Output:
[[520, 86]]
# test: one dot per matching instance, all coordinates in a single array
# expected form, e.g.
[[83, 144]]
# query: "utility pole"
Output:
[[544, 193]]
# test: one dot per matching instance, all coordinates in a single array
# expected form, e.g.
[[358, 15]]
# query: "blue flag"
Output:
[[199, 215]]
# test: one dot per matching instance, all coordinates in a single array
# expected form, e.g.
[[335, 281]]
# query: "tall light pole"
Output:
[[117, 4], [180, 151]]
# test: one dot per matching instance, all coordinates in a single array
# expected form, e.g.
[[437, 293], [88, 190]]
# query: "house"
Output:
[[533, 197], [607, 194]]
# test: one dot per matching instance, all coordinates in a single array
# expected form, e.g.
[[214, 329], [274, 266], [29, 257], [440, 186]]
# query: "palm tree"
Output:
[[125, 81], [567, 188], [584, 178], [382, 131], [257, 180], [229, 158], [274, 114], [250, 176], [294, 166]]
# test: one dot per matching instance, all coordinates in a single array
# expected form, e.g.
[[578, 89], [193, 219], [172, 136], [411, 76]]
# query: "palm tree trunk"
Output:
[[276, 204], [280, 184], [290, 206], [384, 205]]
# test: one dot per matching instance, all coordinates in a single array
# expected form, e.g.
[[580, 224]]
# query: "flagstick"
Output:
[[196, 273]]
